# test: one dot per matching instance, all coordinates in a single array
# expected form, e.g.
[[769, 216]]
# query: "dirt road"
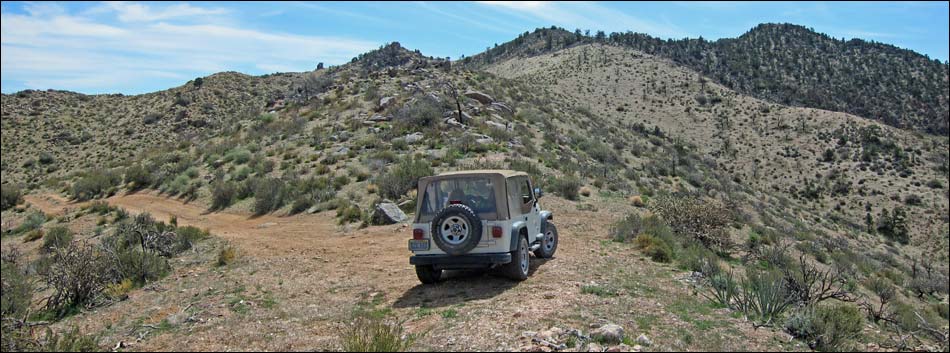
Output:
[[300, 279]]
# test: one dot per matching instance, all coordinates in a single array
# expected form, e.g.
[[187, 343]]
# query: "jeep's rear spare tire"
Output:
[[456, 229]]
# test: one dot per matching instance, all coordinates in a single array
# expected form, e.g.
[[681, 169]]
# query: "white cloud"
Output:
[[587, 15], [49, 48], [136, 12]]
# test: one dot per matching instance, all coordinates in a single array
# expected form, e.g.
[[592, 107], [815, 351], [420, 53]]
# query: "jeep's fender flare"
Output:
[[516, 228], [546, 217]]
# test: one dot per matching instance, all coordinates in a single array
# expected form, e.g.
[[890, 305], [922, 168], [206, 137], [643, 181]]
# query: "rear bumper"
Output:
[[461, 261]]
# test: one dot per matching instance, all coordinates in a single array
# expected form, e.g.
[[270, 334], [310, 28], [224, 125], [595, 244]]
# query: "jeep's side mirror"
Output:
[[538, 193]]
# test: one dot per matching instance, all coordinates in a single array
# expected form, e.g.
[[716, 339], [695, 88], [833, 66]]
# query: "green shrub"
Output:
[[10, 196], [227, 255], [566, 187], [95, 184], [348, 212], [694, 218], [70, 341], [627, 228], [402, 177], [697, 258], [17, 290], [34, 220], [137, 177], [763, 295], [373, 334], [223, 194], [56, 237], [656, 248], [827, 327], [269, 195]]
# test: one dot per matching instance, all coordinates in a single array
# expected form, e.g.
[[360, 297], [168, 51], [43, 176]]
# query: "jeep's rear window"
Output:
[[478, 193]]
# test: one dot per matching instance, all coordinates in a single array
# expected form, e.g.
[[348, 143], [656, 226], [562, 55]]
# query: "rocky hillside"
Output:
[[789, 65], [840, 219]]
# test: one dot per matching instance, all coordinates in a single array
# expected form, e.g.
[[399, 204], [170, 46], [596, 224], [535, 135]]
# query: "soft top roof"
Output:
[[502, 172]]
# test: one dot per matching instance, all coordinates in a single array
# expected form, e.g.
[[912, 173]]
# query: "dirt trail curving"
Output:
[[300, 278]]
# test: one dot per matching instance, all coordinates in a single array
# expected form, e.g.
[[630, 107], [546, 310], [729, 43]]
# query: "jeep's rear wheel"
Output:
[[520, 263], [428, 274], [548, 242]]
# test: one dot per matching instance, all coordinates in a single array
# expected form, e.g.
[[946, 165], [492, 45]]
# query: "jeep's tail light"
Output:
[[418, 234], [455, 202], [497, 231]]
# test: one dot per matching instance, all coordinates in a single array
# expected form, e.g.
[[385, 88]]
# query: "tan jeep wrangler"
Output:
[[479, 219]]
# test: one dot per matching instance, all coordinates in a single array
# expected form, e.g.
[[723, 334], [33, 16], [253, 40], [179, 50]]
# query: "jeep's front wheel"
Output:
[[428, 274], [520, 263], [548, 242]]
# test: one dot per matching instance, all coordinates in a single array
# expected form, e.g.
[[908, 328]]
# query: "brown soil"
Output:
[[299, 279]]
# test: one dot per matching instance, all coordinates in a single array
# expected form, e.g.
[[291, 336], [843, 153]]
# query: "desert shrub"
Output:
[[420, 112], [402, 177], [340, 181], [566, 187], [186, 238], [373, 334], [810, 285], [656, 248], [223, 194], [238, 156], [77, 275], [34, 220], [56, 237], [17, 290], [694, 218], [10, 196], [269, 195], [227, 255], [348, 212], [99, 207], [893, 225], [71, 340], [827, 327], [697, 258], [33, 235], [138, 177], [762, 295], [95, 184], [627, 228]]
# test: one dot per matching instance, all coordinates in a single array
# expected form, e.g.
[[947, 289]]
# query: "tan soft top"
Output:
[[503, 172]]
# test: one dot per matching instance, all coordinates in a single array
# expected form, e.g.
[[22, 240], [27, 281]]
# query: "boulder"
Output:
[[620, 348], [594, 347], [644, 341], [502, 108], [342, 151], [609, 333], [414, 137], [385, 102], [479, 96], [388, 213], [380, 118], [496, 125]]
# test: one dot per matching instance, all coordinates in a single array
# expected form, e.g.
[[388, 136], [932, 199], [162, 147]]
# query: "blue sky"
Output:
[[133, 47]]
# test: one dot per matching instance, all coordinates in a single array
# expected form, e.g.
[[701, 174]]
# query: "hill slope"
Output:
[[790, 65]]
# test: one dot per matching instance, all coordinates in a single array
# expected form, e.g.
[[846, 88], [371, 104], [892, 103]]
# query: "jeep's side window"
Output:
[[514, 196], [527, 199]]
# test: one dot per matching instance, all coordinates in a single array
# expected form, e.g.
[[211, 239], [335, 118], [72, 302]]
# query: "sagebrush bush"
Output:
[[56, 237], [269, 195], [827, 327], [697, 258], [373, 334], [402, 177], [227, 255], [567, 187], [656, 248], [34, 220], [96, 183], [10, 196], [223, 194], [627, 228], [694, 218], [138, 177]]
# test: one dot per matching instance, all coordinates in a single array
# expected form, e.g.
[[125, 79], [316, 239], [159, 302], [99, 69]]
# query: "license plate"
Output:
[[419, 244]]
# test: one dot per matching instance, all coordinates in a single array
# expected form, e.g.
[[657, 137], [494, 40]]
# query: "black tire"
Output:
[[428, 274], [548, 242], [520, 263], [466, 237]]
